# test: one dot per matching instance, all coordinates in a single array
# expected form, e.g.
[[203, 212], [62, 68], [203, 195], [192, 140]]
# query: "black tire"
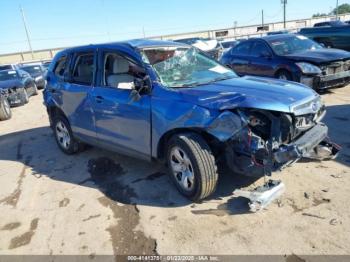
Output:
[[5, 110], [202, 161], [284, 75], [71, 147], [35, 90], [24, 97]]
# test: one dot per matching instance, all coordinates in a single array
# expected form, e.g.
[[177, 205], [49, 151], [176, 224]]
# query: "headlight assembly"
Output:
[[307, 68]]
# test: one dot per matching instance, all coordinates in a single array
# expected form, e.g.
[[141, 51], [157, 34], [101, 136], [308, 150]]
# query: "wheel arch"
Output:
[[211, 140], [54, 111]]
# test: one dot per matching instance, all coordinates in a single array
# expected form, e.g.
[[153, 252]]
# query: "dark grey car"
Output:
[[37, 72], [18, 86]]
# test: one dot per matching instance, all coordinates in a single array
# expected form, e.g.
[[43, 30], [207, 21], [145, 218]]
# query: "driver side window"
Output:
[[120, 72]]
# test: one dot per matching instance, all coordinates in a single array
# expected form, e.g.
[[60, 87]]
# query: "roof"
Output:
[[273, 37], [136, 43]]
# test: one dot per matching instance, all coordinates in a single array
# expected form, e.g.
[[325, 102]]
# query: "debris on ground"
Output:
[[312, 215], [262, 196], [336, 176], [334, 222]]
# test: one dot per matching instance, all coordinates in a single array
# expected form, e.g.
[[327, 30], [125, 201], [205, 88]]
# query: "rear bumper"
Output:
[[327, 81]]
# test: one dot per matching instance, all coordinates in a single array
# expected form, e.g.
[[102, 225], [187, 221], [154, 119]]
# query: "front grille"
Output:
[[336, 67]]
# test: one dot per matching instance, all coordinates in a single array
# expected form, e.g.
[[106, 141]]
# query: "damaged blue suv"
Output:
[[169, 101]]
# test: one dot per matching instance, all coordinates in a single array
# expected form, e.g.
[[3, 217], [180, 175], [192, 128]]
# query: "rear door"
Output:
[[121, 124], [76, 87], [261, 60], [239, 58]]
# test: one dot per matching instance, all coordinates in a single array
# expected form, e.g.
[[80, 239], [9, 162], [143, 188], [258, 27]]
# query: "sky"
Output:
[[63, 23]]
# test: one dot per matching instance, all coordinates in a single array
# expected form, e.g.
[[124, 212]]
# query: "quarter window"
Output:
[[60, 66], [83, 70]]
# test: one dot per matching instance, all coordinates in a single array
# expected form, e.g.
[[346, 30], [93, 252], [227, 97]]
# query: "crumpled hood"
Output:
[[249, 92], [10, 83], [320, 56]]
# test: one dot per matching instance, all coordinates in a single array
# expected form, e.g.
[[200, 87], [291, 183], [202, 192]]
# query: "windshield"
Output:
[[292, 44], [32, 69], [8, 75], [184, 67]]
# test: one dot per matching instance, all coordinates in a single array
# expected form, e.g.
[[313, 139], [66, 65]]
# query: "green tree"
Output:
[[319, 15], [342, 9]]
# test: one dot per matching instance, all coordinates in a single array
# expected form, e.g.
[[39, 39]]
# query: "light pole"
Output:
[[336, 10], [27, 31], [284, 3]]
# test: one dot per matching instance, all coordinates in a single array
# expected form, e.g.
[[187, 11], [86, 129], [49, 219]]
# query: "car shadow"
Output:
[[130, 181], [122, 179]]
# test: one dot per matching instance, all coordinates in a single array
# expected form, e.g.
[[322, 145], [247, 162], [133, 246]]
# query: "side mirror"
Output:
[[141, 86]]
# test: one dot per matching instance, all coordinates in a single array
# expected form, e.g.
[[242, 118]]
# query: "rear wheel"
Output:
[[284, 75], [64, 136], [24, 97], [5, 110], [192, 166], [35, 90]]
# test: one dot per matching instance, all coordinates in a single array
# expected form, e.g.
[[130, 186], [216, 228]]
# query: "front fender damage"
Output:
[[226, 125]]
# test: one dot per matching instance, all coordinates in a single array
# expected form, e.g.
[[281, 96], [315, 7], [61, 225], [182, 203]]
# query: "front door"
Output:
[[261, 62], [121, 124]]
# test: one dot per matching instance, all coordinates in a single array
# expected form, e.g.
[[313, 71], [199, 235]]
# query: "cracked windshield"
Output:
[[185, 67]]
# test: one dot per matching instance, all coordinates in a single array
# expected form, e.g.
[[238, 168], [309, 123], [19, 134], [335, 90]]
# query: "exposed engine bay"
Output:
[[270, 141]]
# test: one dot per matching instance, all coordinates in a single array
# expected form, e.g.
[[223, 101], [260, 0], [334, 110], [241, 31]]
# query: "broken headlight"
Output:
[[304, 122]]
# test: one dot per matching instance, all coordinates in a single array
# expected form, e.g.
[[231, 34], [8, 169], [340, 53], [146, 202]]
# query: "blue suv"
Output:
[[167, 101]]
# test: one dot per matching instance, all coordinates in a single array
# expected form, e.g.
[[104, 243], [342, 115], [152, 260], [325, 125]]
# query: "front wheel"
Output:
[[284, 75], [192, 166], [5, 110]]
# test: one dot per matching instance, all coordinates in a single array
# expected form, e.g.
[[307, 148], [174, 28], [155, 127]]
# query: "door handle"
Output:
[[99, 99]]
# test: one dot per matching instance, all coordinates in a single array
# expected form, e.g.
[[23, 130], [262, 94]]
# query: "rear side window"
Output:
[[60, 66], [242, 49], [83, 70]]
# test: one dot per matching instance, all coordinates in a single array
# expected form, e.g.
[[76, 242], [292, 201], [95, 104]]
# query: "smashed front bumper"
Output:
[[313, 144], [326, 81]]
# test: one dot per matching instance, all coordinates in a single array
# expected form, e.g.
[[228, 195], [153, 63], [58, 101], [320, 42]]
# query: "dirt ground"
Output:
[[98, 202]]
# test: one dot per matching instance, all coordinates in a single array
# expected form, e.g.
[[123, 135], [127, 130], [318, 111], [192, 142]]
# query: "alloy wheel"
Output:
[[62, 134], [182, 168]]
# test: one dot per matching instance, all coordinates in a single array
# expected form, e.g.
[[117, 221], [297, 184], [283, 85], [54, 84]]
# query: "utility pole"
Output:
[[336, 10], [284, 3], [262, 18], [143, 31], [27, 31]]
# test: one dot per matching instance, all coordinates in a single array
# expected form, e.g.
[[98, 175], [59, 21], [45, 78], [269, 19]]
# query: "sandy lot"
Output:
[[98, 202]]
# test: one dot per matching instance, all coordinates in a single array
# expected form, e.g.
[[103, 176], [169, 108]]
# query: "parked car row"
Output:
[[18, 82], [168, 101], [290, 57]]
